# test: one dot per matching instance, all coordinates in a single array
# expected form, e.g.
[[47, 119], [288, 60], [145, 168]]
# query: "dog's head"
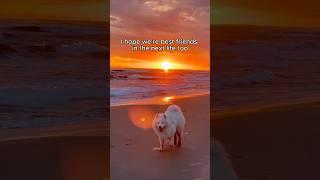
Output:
[[161, 122]]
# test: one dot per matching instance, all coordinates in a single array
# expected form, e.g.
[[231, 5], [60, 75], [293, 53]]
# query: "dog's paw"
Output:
[[158, 149]]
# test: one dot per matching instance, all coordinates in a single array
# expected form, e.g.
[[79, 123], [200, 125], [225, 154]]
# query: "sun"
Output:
[[166, 66]]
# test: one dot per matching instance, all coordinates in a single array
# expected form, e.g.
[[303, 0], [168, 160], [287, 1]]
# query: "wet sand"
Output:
[[78, 152], [280, 142], [132, 155]]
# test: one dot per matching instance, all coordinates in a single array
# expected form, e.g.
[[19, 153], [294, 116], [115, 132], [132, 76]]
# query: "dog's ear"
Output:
[[164, 115]]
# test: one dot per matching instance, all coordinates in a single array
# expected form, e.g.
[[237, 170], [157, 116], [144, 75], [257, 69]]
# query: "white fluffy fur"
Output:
[[169, 126]]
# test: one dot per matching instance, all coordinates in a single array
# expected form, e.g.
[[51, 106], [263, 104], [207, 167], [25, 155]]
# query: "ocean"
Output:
[[152, 86], [56, 74], [258, 66], [52, 74]]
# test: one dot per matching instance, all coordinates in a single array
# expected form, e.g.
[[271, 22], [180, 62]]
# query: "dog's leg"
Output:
[[175, 138], [161, 142], [180, 139], [171, 141]]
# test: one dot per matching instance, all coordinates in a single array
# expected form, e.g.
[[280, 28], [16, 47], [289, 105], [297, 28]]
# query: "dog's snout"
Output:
[[160, 128]]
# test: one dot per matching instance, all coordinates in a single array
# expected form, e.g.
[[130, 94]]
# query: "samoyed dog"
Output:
[[169, 126]]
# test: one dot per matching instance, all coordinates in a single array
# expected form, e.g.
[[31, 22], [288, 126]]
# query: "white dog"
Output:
[[169, 126]]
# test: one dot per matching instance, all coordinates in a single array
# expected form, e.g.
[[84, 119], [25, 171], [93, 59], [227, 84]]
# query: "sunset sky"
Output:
[[259, 12], [70, 10], [304, 13], [160, 19]]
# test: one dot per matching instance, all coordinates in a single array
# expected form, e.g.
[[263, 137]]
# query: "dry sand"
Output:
[[131, 151]]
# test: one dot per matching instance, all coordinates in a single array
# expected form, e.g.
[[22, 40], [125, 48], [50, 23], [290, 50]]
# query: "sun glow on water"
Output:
[[168, 98]]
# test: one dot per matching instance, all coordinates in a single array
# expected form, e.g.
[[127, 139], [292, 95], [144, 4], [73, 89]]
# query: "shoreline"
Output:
[[96, 129], [75, 130], [160, 100], [102, 128], [232, 112]]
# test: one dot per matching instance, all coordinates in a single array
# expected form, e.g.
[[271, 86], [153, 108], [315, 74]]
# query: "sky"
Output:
[[304, 13], [258, 12], [160, 19], [69, 10]]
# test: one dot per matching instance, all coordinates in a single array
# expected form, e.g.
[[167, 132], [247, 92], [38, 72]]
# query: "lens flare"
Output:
[[141, 117]]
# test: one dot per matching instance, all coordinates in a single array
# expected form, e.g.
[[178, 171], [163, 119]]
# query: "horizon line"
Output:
[[119, 68]]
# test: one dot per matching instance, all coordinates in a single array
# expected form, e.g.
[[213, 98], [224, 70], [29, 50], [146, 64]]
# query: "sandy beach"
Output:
[[132, 154], [276, 143], [81, 152], [78, 152]]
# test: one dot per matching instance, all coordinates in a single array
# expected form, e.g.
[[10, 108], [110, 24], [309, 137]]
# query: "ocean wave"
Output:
[[143, 75], [136, 76], [26, 28], [44, 97], [244, 79], [7, 49], [8, 35], [76, 30], [41, 48], [80, 48], [150, 90], [59, 40], [36, 49], [125, 91], [55, 28]]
